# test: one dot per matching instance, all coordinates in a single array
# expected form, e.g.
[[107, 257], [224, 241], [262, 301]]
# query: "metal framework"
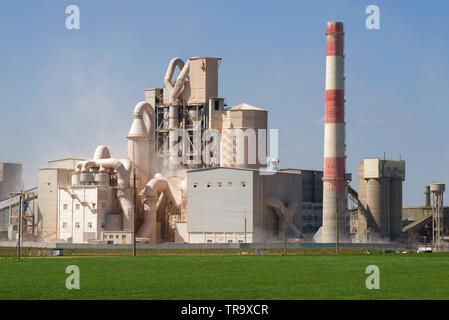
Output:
[[193, 144]]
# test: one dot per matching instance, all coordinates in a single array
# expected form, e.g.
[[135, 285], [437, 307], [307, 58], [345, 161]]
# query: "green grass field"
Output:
[[402, 276]]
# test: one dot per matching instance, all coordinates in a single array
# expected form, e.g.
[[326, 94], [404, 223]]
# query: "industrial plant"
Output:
[[200, 171]]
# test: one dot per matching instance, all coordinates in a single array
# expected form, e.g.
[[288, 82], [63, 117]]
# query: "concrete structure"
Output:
[[244, 122], [437, 190], [86, 212], [57, 174], [312, 199], [334, 198], [241, 205], [10, 179], [176, 128], [380, 192]]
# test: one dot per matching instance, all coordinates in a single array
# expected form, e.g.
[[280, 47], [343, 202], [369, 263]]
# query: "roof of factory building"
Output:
[[245, 106], [243, 169]]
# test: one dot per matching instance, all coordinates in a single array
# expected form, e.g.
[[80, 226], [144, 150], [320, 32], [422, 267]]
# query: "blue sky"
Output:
[[64, 92]]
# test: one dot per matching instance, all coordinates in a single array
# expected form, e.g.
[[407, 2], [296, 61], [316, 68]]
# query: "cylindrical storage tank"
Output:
[[10, 179], [244, 138], [395, 208], [377, 201], [427, 196], [84, 178], [113, 222], [101, 178], [437, 188]]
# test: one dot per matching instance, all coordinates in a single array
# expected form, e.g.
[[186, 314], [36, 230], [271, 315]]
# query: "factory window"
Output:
[[123, 237], [217, 105], [77, 206], [209, 241], [240, 241], [116, 236], [111, 236], [65, 206], [105, 236], [229, 241], [243, 184], [195, 184], [64, 225], [219, 184], [229, 183], [77, 225], [89, 225]]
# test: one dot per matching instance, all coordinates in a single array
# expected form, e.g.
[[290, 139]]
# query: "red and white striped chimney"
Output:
[[334, 136]]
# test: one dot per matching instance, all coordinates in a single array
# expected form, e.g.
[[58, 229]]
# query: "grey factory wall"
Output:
[[287, 187], [218, 200]]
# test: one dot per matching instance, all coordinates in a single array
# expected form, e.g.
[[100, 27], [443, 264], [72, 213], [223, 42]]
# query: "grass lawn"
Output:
[[402, 276]]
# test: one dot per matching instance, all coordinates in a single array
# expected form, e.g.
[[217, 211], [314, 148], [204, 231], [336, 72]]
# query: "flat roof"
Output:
[[64, 159], [243, 169]]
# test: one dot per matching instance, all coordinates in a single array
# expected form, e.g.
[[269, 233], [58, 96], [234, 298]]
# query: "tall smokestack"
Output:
[[334, 137]]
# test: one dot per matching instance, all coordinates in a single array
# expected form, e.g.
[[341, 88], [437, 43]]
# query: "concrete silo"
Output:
[[380, 185]]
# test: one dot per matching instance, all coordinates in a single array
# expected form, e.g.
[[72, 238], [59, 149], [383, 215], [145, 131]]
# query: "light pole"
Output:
[[245, 226]]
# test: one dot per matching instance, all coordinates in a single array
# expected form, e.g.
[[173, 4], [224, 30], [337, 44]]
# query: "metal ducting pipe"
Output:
[[171, 70], [124, 194], [141, 143], [151, 194], [284, 213], [177, 89], [173, 116], [102, 152]]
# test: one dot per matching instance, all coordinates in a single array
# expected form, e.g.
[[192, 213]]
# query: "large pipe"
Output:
[[141, 143], [173, 117], [101, 152], [284, 212], [334, 137], [151, 192], [171, 70], [180, 80], [123, 169]]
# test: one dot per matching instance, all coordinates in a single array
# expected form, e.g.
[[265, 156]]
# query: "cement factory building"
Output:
[[198, 171]]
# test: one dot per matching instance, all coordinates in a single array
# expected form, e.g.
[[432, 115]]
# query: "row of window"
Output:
[[229, 241], [219, 184], [65, 206], [77, 225], [111, 236]]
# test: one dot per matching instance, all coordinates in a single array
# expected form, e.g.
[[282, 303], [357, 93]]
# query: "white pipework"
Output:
[[151, 194], [285, 212], [170, 70], [123, 170], [173, 115], [102, 152], [180, 80], [141, 143]]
